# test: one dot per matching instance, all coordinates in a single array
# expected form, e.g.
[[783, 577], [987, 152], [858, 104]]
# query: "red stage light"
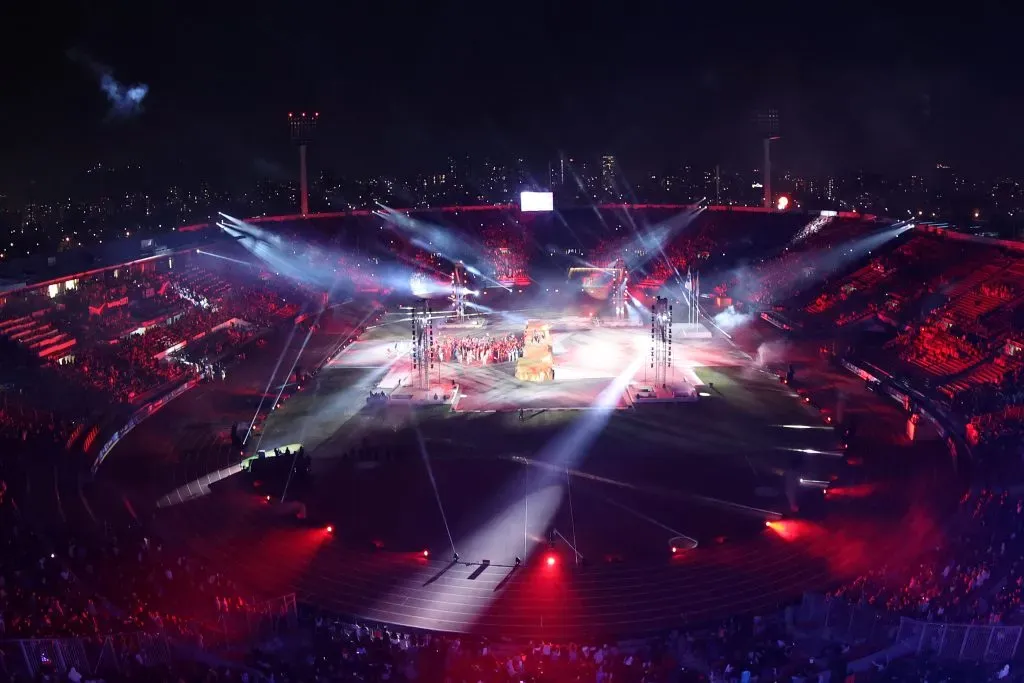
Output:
[[551, 560], [768, 523], [330, 529], [426, 553]]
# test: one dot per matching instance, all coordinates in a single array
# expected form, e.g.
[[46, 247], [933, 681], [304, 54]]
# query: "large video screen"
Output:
[[536, 201]]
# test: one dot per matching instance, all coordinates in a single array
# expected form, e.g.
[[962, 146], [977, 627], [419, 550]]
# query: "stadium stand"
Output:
[[952, 311]]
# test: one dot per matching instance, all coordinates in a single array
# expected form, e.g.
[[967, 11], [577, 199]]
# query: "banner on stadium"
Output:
[[98, 310]]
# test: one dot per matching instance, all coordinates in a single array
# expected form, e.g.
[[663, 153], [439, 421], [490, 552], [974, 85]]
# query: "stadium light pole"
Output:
[[768, 127], [303, 128], [768, 171]]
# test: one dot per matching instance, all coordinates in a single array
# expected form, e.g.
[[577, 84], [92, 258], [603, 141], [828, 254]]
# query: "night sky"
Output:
[[402, 85]]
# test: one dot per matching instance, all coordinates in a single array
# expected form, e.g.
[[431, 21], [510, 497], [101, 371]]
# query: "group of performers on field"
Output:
[[482, 350]]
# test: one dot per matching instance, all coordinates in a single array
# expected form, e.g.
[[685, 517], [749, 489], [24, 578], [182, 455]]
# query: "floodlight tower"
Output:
[[768, 125], [303, 130]]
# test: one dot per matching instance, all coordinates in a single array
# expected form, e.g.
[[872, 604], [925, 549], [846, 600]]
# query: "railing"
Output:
[[271, 617], [88, 656], [862, 624], [845, 622], [994, 643]]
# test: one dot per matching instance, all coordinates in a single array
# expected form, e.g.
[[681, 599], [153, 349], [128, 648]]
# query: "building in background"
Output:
[[609, 170]]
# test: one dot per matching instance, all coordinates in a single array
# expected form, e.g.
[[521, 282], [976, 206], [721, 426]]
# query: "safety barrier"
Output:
[[88, 656], [994, 643], [863, 624], [845, 622]]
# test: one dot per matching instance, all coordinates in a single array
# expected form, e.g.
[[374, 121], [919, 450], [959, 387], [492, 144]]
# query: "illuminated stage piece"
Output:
[[673, 391], [424, 386], [663, 388], [538, 361]]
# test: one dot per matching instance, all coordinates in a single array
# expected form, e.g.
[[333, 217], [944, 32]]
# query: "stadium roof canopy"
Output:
[[41, 269]]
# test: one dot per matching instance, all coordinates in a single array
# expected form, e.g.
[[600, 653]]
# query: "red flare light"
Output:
[[550, 560], [426, 553], [329, 529]]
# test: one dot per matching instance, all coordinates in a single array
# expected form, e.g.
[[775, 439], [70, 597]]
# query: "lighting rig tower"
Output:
[[422, 344], [661, 340], [458, 296], [303, 130], [693, 288], [619, 294]]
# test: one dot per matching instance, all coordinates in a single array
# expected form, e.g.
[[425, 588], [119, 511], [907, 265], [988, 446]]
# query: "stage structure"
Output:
[[422, 344], [619, 295], [661, 340], [458, 295], [693, 287], [537, 364]]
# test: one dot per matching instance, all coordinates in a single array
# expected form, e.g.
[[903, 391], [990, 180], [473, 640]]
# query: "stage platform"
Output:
[[434, 395], [670, 392], [587, 359]]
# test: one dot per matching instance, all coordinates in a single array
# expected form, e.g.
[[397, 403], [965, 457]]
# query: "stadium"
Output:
[[576, 425]]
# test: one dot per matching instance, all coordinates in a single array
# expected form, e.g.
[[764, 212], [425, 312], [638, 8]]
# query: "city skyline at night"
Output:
[[401, 91]]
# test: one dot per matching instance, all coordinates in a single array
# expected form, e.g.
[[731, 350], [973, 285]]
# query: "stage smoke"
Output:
[[730, 319], [125, 101], [769, 353]]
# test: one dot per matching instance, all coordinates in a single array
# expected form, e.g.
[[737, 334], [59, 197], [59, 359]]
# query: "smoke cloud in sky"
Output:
[[125, 100]]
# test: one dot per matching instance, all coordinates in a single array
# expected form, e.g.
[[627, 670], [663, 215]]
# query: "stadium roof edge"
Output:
[[514, 207], [43, 270]]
